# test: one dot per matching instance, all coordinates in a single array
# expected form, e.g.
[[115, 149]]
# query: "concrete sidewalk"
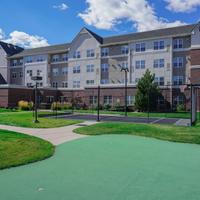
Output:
[[54, 135]]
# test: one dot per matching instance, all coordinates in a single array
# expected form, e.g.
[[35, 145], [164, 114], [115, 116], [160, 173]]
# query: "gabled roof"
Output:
[[10, 49], [43, 50], [179, 30], [2, 80], [97, 37], [166, 32]]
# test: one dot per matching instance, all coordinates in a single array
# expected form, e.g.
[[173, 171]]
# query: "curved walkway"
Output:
[[54, 135]]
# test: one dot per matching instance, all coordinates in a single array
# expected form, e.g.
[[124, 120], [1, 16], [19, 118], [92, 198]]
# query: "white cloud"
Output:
[[1, 34], [106, 14], [62, 6], [182, 5], [24, 40]]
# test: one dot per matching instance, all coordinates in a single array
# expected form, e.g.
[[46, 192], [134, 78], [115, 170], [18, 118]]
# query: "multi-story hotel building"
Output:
[[78, 67]]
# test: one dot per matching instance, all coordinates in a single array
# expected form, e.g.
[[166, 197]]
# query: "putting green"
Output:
[[109, 167]]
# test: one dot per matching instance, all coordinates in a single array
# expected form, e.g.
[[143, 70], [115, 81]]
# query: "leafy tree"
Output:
[[147, 93]]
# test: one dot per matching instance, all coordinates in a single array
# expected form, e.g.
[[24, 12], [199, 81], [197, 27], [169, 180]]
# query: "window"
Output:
[[159, 63], [178, 80], [76, 84], [55, 58], [29, 84], [137, 80], [107, 99], [178, 62], [14, 63], [64, 70], [159, 45], [76, 70], [178, 100], [93, 100], [159, 81], [39, 72], [39, 84], [55, 84], [124, 49], [104, 67], [104, 52], [104, 81], [130, 100], [30, 73], [160, 100], [50, 99], [65, 84], [90, 82], [178, 43], [140, 64], [90, 68], [77, 54], [90, 53], [64, 57], [14, 75], [140, 47], [29, 59], [55, 71], [40, 59], [20, 74], [21, 62]]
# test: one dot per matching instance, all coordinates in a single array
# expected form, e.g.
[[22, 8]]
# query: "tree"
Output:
[[147, 93]]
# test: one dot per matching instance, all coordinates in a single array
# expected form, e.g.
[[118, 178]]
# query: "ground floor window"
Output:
[[108, 99], [50, 99], [130, 100], [93, 100], [160, 100], [178, 100]]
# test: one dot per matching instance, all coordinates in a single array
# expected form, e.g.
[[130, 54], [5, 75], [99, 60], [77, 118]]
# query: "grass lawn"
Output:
[[109, 167], [25, 119], [2, 110], [163, 132], [18, 149]]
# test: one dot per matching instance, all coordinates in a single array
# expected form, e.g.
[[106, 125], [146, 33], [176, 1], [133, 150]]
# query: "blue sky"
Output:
[[56, 24]]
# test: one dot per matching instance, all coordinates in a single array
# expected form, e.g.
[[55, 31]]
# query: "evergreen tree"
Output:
[[147, 93]]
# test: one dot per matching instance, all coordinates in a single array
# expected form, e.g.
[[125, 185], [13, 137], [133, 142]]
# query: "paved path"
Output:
[[54, 135]]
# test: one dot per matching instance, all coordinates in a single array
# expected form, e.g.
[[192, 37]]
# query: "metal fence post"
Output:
[[98, 104]]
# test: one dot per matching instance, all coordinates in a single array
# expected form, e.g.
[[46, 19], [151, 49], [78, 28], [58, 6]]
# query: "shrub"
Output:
[[107, 106], [23, 105], [56, 106], [180, 107], [30, 105], [66, 106]]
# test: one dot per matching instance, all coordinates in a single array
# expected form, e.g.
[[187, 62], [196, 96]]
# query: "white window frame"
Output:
[[104, 52], [140, 47]]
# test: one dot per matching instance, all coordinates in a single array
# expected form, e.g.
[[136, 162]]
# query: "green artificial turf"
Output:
[[163, 132], [18, 149], [109, 167], [25, 119]]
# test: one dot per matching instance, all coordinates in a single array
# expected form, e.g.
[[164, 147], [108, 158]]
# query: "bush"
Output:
[[56, 106], [180, 107], [23, 105], [30, 105], [107, 106], [66, 106]]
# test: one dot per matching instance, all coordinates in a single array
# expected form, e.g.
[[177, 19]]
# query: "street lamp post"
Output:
[[125, 69], [36, 78]]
